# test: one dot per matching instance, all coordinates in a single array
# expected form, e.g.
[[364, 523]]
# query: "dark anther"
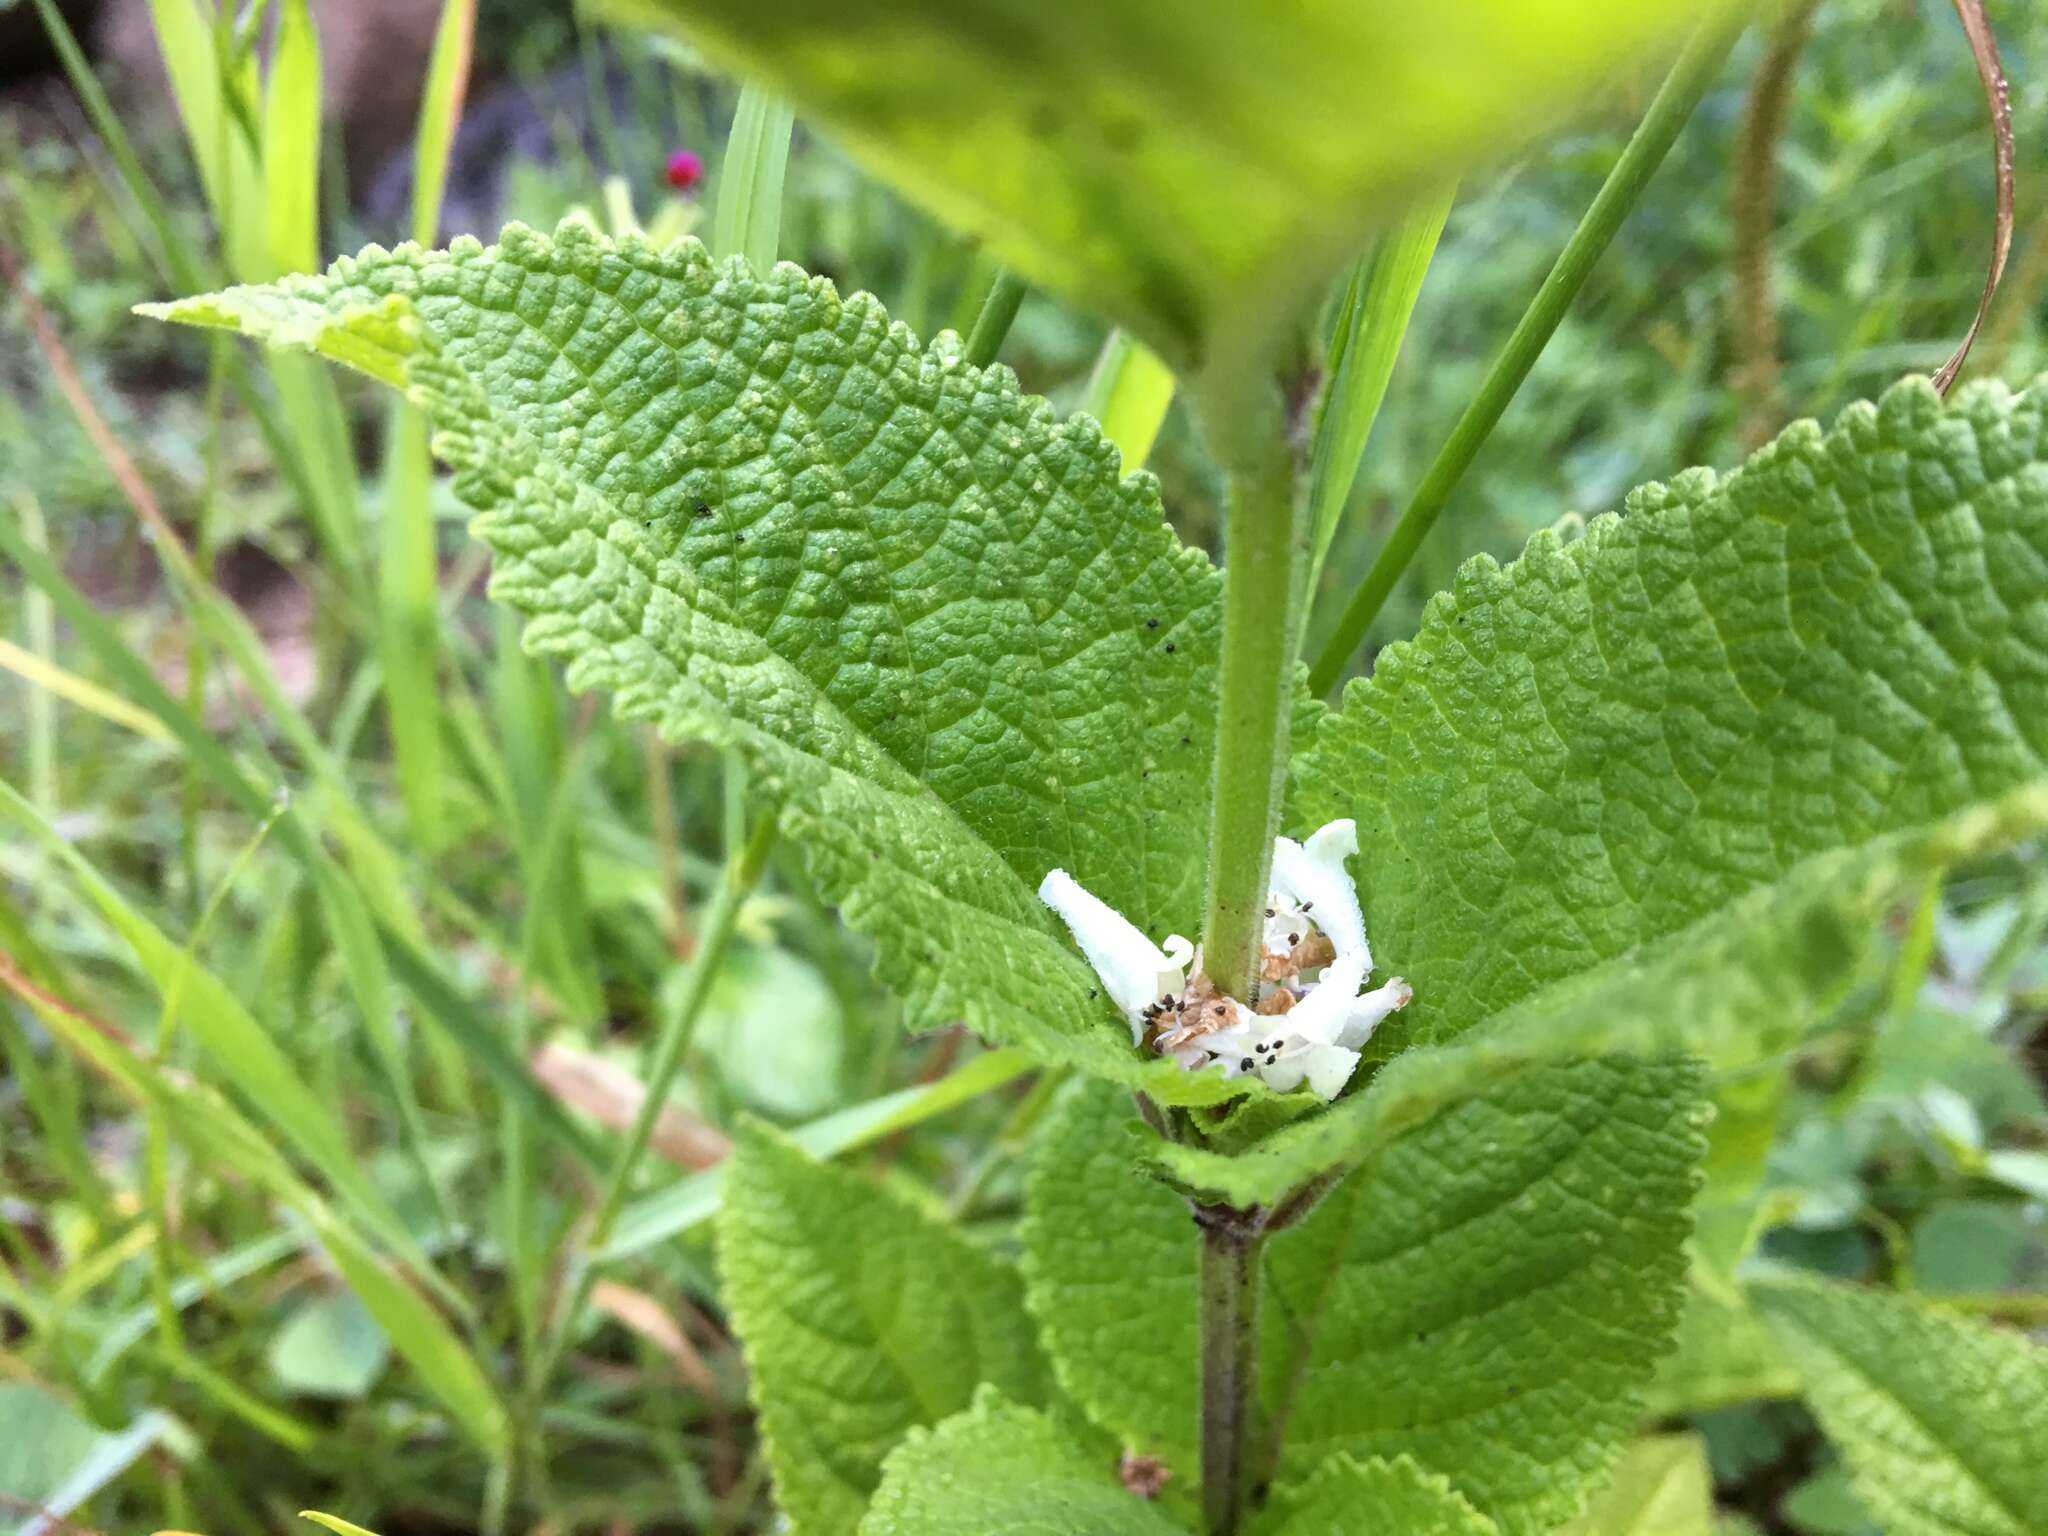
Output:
[[1245, 1065], [1293, 939]]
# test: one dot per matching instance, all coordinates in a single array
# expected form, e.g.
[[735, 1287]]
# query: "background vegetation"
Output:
[[411, 859]]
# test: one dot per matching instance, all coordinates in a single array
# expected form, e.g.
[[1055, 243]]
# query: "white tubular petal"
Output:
[[1328, 1068], [1179, 951], [1286, 1074], [1133, 969], [1367, 1011], [1323, 1016], [1313, 873]]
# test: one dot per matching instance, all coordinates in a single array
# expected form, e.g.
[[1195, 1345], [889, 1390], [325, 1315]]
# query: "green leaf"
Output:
[[1002, 1470], [330, 1346], [1197, 175], [1661, 1488], [291, 143], [748, 221], [335, 1523], [1652, 790], [52, 1461], [1492, 1299], [776, 1032], [1109, 1260], [1943, 1421], [1364, 344], [1587, 757], [1488, 1298], [1345, 1497], [921, 607], [862, 1318]]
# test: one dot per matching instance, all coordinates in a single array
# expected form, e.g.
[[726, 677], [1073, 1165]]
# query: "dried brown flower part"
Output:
[[1146, 1476], [1314, 951], [1200, 1010], [1275, 1001]]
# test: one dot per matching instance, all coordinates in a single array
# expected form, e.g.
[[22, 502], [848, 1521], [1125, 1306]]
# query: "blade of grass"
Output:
[[351, 928], [408, 580], [51, 682], [209, 83], [748, 217], [1128, 393], [184, 267], [1688, 81], [216, 1132], [683, 1205], [1367, 337], [291, 142], [228, 170], [115, 1338], [38, 665], [240, 1048]]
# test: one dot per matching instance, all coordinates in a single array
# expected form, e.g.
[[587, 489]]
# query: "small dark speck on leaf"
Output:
[[703, 510], [1185, 740], [1170, 647], [1151, 623]]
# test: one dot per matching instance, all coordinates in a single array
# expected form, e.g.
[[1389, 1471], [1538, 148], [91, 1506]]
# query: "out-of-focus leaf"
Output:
[[1195, 172], [777, 1033], [329, 1347], [52, 1461]]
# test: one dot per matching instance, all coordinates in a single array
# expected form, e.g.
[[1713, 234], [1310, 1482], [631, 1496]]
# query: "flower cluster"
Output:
[[1312, 1014]]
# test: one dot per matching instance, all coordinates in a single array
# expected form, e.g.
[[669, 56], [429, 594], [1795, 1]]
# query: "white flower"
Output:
[[1322, 1024], [1136, 972], [1312, 878]]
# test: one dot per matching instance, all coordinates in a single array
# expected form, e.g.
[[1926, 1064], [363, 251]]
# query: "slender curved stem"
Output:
[[992, 324], [742, 873], [1688, 81]]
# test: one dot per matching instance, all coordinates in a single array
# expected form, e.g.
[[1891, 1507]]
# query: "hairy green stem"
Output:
[[1231, 1243], [1265, 548], [992, 324], [1688, 81]]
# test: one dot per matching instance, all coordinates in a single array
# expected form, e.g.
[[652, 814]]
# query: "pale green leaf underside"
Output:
[[1942, 1419], [862, 1318], [1347, 1497], [1661, 1487], [1002, 1470], [957, 647], [1488, 1297], [1652, 790], [1195, 172]]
